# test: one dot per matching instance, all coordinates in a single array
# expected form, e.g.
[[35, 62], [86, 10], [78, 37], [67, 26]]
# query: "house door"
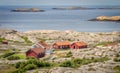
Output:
[[74, 47]]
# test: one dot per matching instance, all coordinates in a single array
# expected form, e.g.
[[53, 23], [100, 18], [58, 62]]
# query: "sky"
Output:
[[59, 2]]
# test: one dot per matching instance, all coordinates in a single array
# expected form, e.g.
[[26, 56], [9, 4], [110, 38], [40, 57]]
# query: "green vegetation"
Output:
[[26, 39], [78, 62], [117, 59], [36, 63], [43, 39], [117, 69], [36, 71], [21, 56], [66, 64], [13, 58], [5, 51], [8, 54], [105, 43], [30, 67], [69, 54], [70, 40], [2, 39], [7, 68], [117, 54], [31, 64]]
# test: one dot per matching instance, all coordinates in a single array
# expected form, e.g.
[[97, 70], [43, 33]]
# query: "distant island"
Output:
[[106, 18], [78, 8], [27, 10], [72, 8]]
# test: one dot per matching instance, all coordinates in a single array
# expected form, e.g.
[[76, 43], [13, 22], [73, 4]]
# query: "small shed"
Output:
[[5, 42], [78, 45], [61, 45], [35, 52]]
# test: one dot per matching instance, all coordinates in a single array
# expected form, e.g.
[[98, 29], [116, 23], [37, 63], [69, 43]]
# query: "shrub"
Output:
[[101, 59], [69, 54], [117, 59], [35, 62], [20, 64], [40, 63], [47, 64], [31, 64], [117, 69], [30, 67], [117, 55], [77, 61], [66, 64], [32, 61], [13, 58]]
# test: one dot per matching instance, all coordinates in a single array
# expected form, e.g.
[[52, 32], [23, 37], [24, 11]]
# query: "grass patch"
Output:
[[69, 54], [13, 58], [105, 43], [7, 69], [8, 54], [78, 62], [26, 39], [117, 69], [2, 39], [21, 56], [5, 51]]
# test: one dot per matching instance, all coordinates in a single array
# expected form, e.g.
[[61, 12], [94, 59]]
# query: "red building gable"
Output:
[[43, 45], [36, 53], [78, 45]]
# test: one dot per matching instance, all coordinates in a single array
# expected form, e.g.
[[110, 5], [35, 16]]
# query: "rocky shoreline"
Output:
[[107, 18], [20, 42]]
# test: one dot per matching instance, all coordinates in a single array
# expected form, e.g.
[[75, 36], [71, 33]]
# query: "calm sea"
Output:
[[58, 19]]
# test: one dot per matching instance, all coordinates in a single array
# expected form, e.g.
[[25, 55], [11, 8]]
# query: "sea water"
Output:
[[53, 19]]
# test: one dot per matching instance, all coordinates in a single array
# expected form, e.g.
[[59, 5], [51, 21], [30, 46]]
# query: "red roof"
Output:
[[80, 43], [38, 50], [41, 43], [63, 43]]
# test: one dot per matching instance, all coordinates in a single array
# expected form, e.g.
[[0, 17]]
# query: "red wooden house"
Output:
[[41, 44], [61, 45], [78, 45], [35, 52], [45, 46]]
